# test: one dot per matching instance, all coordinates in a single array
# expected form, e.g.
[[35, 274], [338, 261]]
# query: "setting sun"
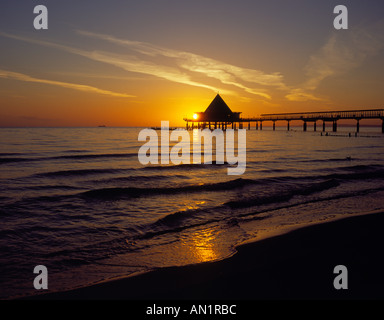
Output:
[[195, 116]]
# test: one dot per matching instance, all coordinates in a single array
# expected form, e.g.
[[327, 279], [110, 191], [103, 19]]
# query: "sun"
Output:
[[195, 116]]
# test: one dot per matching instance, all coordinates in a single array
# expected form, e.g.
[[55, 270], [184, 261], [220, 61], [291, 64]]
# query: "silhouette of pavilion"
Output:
[[217, 115]]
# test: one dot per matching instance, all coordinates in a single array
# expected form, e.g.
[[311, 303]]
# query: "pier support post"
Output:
[[288, 125], [257, 125], [382, 125], [314, 126], [274, 125], [357, 125], [334, 125], [305, 126], [249, 125], [261, 125], [323, 125]]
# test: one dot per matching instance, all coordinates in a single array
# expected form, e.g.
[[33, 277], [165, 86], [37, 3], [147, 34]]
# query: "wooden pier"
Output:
[[219, 116]]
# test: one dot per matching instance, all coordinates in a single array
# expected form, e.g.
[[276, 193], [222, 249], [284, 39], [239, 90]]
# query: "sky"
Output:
[[137, 63]]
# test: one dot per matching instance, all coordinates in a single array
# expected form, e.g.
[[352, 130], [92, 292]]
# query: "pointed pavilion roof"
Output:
[[218, 108]]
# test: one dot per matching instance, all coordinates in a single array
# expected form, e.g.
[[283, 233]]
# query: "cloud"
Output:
[[342, 52], [174, 65], [226, 73], [133, 64], [301, 95], [23, 77], [126, 62]]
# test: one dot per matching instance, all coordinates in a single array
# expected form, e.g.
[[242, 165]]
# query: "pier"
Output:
[[219, 115]]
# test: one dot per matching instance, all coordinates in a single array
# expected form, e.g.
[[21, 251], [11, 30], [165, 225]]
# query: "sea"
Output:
[[79, 202]]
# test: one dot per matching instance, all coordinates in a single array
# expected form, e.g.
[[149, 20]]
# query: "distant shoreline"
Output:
[[267, 125]]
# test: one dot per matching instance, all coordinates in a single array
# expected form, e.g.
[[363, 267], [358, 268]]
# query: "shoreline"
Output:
[[297, 264]]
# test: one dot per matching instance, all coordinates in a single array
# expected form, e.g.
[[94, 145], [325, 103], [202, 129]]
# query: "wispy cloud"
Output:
[[133, 64], [226, 73], [342, 52], [174, 65], [127, 62], [23, 77], [301, 95]]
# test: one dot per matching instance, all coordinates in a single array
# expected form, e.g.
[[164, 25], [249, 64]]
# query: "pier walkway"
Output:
[[306, 117]]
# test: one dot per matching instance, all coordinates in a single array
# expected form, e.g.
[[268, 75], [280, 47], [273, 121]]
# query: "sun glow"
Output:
[[195, 116]]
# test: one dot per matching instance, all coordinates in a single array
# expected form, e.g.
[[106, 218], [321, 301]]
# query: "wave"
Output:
[[96, 156], [76, 150], [131, 192], [362, 167], [343, 173], [186, 166], [80, 172], [120, 193], [49, 187], [67, 157], [302, 189], [177, 221], [101, 156], [346, 159], [176, 217], [10, 154], [358, 176], [182, 220], [302, 186], [290, 184], [140, 178], [12, 160]]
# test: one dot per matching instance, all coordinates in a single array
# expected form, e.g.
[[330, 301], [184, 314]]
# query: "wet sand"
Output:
[[295, 265]]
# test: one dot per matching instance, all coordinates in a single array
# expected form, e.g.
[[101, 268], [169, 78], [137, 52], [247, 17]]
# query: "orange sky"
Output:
[[147, 63]]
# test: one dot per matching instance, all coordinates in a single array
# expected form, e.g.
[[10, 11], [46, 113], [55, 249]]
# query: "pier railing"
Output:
[[325, 116], [349, 114]]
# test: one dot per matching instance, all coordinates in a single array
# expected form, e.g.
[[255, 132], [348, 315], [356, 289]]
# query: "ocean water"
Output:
[[78, 201]]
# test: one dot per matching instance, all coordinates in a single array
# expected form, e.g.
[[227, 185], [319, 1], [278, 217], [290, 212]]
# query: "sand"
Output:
[[296, 265]]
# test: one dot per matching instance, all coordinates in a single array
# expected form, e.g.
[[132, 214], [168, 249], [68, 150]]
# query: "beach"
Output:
[[295, 265]]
